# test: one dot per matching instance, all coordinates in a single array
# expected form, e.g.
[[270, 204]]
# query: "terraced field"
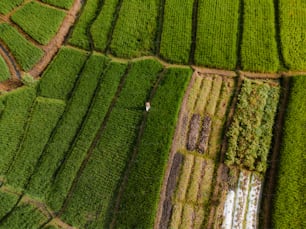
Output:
[[220, 146]]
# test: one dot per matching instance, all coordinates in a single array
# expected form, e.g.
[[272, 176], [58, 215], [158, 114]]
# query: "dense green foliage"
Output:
[[177, 28], [292, 33], [100, 105], [289, 205], [24, 216], [6, 6], [135, 29], [141, 195], [4, 71], [217, 28], [80, 35], [7, 201], [251, 130], [25, 53], [44, 116], [259, 48], [68, 126], [66, 4], [39, 21], [17, 105], [60, 76], [102, 26], [108, 161]]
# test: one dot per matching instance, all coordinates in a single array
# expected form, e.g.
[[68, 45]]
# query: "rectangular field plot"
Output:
[[7, 201], [250, 133], [259, 47], [25, 53], [6, 6], [66, 4], [39, 21], [176, 31], [135, 28], [217, 30], [292, 18]]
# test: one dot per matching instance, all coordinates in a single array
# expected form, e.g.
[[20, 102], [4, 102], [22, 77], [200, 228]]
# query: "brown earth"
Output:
[[204, 135], [193, 134]]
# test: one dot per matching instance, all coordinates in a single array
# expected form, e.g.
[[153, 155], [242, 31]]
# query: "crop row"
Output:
[[217, 28], [292, 33], [289, 202], [65, 4], [250, 133], [39, 21], [25, 53], [259, 47], [43, 118], [136, 28], [4, 71], [16, 107], [7, 6], [108, 159], [66, 130], [176, 40]]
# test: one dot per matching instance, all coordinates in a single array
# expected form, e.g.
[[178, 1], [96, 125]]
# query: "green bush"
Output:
[[69, 125], [39, 21], [6, 6], [289, 203], [108, 160], [135, 30], [16, 107], [4, 70], [24, 216], [102, 26], [80, 34], [43, 119], [217, 28], [25, 53], [59, 78], [65, 4], [293, 33], [141, 195], [177, 28], [7, 201], [259, 47]]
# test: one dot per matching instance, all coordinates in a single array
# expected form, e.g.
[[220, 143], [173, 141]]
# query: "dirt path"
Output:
[[135, 152], [173, 151], [271, 175], [56, 43]]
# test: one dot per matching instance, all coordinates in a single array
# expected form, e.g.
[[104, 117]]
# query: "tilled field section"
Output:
[[190, 181]]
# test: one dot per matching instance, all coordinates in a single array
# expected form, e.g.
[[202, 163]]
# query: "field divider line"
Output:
[[114, 22], [194, 31], [240, 33], [52, 6], [135, 150], [94, 142], [7, 16], [160, 23], [271, 174]]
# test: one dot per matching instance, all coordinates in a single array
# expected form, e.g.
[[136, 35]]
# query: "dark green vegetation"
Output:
[[4, 71], [212, 49], [24, 216], [39, 21], [289, 205], [176, 40], [66, 4], [250, 134], [7, 201], [292, 33], [26, 54], [6, 6]]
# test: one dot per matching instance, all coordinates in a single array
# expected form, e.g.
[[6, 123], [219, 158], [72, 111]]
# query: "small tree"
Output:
[[28, 80]]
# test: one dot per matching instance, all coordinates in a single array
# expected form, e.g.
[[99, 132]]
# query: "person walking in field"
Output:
[[148, 106]]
